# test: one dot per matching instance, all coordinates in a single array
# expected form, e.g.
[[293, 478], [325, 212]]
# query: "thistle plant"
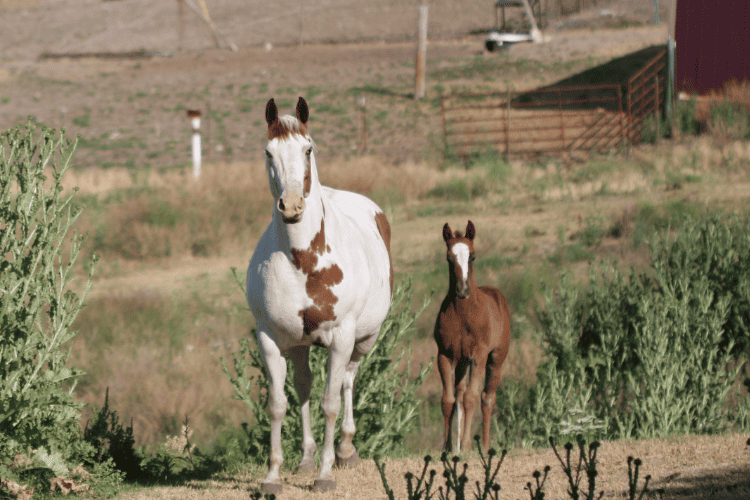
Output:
[[37, 308], [456, 478]]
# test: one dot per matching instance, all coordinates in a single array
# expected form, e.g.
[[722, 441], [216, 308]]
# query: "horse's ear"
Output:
[[447, 233], [272, 113], [470, 231], [302, 111]]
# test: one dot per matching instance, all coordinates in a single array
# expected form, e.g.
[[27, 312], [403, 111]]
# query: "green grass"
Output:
[[82, 121], [459, 189]]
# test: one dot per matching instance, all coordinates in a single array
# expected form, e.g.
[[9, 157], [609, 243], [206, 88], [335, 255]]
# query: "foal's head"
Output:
[[289, 160], [460, 258]]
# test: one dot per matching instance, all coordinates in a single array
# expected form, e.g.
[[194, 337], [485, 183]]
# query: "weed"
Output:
[[571, 253], [456, 482], [647, 356], [82, 121], [459, 189], [728, 122], [685, 117]]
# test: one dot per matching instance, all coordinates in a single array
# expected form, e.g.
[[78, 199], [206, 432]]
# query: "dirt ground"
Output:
[[143, 100], [693, 468]]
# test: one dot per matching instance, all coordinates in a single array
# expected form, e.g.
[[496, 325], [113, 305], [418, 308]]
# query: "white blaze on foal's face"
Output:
[[462, 253]]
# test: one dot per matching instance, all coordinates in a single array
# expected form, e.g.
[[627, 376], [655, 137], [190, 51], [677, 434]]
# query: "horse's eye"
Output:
[[268, 154], [309, 151], [471, 258]]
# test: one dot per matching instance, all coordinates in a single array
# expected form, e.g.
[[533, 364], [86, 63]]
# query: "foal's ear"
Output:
[[302, 111], [470, 231], [272, 113], [447, 233]]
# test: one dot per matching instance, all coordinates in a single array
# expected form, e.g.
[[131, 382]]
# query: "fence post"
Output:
[[562, 120], [362, 104], [656, 107], [421, 53], [507, 128], [180, 24], [195, 122]]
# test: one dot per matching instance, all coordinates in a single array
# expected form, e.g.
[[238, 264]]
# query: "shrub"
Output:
[[40, 437], [36, 408], [385, 402], [648, 355]]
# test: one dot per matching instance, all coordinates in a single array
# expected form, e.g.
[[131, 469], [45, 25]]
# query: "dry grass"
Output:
[[196, 311]]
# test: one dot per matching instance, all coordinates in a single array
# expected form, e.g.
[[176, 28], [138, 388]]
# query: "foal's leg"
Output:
[[277, 403], [303, 383], [340, 352], [463, 426], [449, 399], [491, 383], [471, 399]]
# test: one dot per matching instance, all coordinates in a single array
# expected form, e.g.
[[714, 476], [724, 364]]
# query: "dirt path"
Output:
[[686, 468]]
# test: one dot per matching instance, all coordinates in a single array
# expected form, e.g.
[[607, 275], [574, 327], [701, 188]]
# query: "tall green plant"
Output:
[[37, 408], [385, 402], [646, 355]]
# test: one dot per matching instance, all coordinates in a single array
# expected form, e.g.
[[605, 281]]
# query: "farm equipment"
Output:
[[498, 40]]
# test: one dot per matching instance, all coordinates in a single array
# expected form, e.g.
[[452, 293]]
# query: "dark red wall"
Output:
[[712, 44]]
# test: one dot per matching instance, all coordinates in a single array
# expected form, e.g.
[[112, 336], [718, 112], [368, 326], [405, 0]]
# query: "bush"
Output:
[[385, 402], [40, 436], [647, 356], [36, 385]]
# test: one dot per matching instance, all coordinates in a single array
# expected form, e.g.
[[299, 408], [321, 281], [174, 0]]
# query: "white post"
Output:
[[195, 118], [421, 53]]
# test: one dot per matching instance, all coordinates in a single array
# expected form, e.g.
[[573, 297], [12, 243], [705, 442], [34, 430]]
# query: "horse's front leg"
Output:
[[346, 455], [303, 383], [340, 352], [277, 403]]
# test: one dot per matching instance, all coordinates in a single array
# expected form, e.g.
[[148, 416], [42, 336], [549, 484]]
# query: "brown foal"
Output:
[[472, 332]]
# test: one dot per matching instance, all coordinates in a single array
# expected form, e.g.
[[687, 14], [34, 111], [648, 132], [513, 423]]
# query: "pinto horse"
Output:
[[320, 275], [472, 332]]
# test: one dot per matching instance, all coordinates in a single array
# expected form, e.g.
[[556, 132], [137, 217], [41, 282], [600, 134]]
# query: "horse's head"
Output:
[[289, 160], [460, 258]]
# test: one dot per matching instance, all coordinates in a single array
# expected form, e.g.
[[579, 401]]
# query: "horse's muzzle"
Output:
[[291, 207]]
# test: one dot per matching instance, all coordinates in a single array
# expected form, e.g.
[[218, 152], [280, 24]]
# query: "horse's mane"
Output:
[[286, 126]]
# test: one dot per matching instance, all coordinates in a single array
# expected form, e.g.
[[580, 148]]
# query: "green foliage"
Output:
[[685, 116], [40, 437], [82, 121], [647, 356], [729, 121], [112, 442], [37, 408], [385, 402], [459, 189]]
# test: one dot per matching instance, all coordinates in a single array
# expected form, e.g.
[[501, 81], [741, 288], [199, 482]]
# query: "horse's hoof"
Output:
[[305, 466], [268, 488], [324, 485], [347, 462]]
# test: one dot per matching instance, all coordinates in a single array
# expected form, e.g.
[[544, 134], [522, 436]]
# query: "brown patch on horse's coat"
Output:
[[385, 232], [308, 179], [319, 283]]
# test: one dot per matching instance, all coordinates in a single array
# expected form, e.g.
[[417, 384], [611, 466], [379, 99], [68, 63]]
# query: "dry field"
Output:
[[164, 305]]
